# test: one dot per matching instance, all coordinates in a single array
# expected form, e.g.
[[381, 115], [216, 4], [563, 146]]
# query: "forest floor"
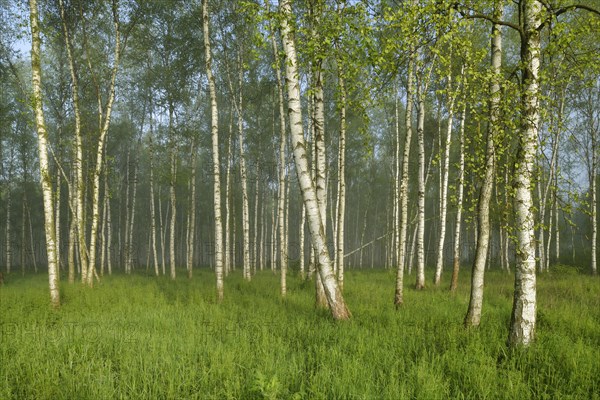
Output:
[[141, 337]]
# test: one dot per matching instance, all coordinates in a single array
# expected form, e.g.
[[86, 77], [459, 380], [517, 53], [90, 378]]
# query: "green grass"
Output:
[[151, 338]]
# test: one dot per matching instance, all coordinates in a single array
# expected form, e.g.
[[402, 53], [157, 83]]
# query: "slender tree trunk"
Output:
[[192, 214], [459, 201], [108, 234], [420, 284], [245, 205], [163, 232], [173, 199], [132, 220], [23, 229], [341, 209], [334, 296], [301, 242], [103, 228], [473, 317], [403, 193], [42, 134], [71, 244], [57, 215], [255, 227], [445, 172], [8, 224], [127, 210], [556, 215], [215, 153], [228, 201], [152, 205], [594, 204], [100, 151], [282, 184], [522, 325], [79, 191]]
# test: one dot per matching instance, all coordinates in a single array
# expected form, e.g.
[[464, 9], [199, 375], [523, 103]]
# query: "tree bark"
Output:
[[100, 151], [334, 296], [42, 134], [444, 195], [459, 201], [403, 194], [522, 324], [473, 317], [420, 283], [172, 194], [215, 153], [341, 209], [79, 191], [192, 212]]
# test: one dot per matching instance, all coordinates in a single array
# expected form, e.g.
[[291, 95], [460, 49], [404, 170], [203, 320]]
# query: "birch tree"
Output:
[[281, 200], [403, 191], [214, 112], [42, 134], [473, 316], [334, 296]]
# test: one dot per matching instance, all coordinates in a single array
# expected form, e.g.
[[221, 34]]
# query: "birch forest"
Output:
[[299, 199]]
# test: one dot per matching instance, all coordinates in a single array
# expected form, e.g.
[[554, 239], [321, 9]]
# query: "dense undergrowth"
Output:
[[142, 337]]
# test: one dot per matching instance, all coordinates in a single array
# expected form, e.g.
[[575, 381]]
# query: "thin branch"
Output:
[[475, 15]]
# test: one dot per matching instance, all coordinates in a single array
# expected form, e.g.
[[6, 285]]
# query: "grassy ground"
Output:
[[148, 338]]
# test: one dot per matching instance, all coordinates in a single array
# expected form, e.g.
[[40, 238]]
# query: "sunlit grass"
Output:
[[151, 338]]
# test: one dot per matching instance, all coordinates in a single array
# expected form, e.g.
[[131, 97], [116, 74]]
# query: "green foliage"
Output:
[[144, 337]]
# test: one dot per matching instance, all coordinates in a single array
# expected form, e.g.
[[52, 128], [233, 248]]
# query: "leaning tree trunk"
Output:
[[78, 192], [100, 151], [42, 134], [522, 324], [334, 296], [473, 316], [215, 153]]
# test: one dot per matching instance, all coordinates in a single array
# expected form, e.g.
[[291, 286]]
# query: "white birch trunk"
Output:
[[473, 317], [79, 190], [100, 151], [152, 205], [192, 214], [172, 195], [522, 325], [594, 204], [341, 209], [403, 191], [444, 194], [132, 220], [334, 296], [42, 134], [227, 245], [459, 201], [301, 243], [215, 154], [420, 283], [255, 227], [8, 227], [245, 206]]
